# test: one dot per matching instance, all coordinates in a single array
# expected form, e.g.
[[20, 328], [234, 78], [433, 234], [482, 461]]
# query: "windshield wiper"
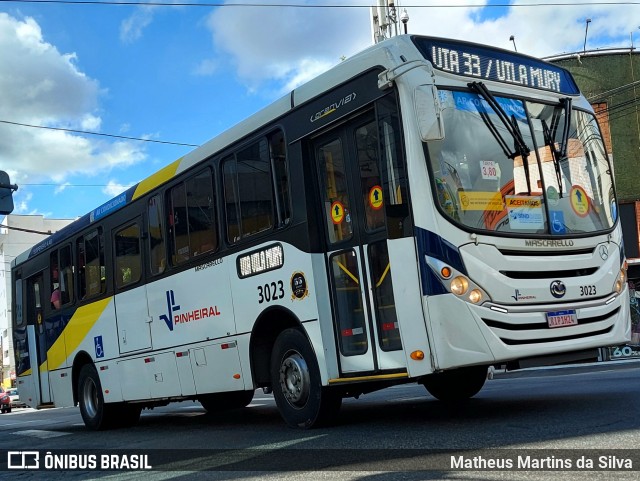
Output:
[[555, 154], [510, 123], [558, 155], [564, 142]]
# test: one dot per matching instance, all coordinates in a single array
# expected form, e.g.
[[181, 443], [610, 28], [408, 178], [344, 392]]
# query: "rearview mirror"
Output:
[[428, 113]]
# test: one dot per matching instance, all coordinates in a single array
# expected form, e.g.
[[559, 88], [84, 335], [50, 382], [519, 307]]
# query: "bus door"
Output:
[[37, 339], [132, 312], [360, 275]]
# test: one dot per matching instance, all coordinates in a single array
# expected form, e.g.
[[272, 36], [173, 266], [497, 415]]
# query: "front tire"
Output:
[[457, 384], [96, 414], [297, 388]]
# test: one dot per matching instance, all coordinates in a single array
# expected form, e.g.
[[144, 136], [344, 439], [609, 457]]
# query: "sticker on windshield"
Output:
[[481, 200], [579, 201], [553, 197], [524, 212], [557, 222], [490, 170]]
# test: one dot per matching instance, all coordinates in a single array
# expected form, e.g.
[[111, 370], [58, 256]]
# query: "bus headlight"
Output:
[[475, 296], [459, 285], [621, 279]]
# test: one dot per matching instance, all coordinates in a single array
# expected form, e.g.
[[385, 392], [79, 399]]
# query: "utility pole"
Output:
[[384, 20]]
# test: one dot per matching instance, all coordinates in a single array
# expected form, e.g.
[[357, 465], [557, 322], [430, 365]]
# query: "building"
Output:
[[17, 234], [610, 79]]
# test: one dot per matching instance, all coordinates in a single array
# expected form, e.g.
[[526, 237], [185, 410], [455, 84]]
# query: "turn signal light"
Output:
[[417, 355], [445, 272]]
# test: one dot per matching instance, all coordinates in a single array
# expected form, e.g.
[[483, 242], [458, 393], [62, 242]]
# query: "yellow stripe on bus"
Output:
[[156, 179], [26, 373], [75, 332]]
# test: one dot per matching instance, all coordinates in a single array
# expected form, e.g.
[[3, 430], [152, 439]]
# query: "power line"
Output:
[[87, 132], [312, 6]]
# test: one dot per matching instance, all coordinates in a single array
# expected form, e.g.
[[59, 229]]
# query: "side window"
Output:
[[231, 204], [203, 232], [256, 188], [179, 226], [192, 220], [336, 197], [366, 138], [91, 268], [61, 270], [128, 259], [56, 297], [66, 275], [394, 174], [157, 262], [19, 317], [279, 167]]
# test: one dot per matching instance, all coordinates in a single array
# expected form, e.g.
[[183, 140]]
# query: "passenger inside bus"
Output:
[[56, 297]]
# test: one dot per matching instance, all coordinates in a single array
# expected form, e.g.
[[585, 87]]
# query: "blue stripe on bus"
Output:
[[432, 245], [105, 209]]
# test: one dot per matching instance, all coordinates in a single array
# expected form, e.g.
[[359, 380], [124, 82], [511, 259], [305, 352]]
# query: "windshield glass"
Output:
[[536, 174]]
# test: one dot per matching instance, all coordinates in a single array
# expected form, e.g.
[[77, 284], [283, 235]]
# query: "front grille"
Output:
[[543, 325], [556, 253], [549, 274], [516, 342]]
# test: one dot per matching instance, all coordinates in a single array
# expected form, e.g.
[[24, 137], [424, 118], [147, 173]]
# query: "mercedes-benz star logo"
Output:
[[558, 289], [604, 252]]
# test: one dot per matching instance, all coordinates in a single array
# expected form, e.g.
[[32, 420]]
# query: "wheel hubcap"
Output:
[[294, 379], [90, 398]]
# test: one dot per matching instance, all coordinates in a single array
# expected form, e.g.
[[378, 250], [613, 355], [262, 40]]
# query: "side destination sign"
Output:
[[488, 63], [108, 207]]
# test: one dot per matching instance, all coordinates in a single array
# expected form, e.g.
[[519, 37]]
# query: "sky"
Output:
[[176, 76]]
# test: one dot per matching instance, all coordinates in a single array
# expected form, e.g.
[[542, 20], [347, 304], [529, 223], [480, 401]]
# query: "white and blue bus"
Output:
[[420, 212]]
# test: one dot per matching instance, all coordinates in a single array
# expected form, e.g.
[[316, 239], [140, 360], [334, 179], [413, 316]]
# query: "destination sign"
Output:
[[482, 62]]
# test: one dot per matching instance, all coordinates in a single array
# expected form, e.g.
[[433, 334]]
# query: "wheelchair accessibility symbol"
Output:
[[99, 348]]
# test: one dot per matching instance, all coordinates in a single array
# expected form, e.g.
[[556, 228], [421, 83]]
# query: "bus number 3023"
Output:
[[270, 292]]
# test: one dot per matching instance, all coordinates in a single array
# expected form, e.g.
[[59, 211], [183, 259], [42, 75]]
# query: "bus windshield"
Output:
[[521, 167]]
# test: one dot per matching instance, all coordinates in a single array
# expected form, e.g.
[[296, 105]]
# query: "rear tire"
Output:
[[226, 400], [96, 414], [297, 388], [456, 385]]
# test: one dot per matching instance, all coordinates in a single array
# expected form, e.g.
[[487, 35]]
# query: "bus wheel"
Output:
[[96, 414], [457, 384], [226, 400], [295, 379]]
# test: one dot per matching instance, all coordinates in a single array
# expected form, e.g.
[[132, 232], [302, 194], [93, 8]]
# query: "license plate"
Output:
[[562, 318]]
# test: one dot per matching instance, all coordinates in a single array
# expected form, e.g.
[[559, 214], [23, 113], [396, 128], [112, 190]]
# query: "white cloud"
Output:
[[538, 30], [132, 27], [292, 45], [206, 67], [114, 188], [41, 86], [61, 188], [289, 45]]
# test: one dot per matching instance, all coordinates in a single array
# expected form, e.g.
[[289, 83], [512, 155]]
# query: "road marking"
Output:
[[40, 434], [208, 462]]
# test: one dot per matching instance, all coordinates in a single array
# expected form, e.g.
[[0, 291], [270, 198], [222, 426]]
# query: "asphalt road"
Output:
[[554, 416]]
